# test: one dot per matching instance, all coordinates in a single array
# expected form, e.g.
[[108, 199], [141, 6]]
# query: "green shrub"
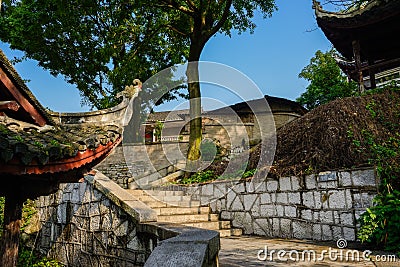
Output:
[[1, 215], [27, 258], [28, 211], [380, 224], [209, 150], [249, 173], [199, 177]]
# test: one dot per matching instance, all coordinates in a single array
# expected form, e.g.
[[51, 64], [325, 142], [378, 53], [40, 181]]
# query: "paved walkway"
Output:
[[246, 251]]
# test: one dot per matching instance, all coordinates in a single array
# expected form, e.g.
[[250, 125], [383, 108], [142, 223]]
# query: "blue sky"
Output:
[[272, 57]]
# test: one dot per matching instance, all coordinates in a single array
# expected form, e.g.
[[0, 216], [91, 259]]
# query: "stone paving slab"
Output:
[[244, 251]]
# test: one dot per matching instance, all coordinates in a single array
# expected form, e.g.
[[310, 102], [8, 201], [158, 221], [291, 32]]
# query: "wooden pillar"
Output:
[[357, 59], [372, 74], [11, 228]]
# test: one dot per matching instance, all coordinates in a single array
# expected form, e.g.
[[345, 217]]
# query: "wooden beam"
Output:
[[357, 59], [381, 64], [374, 66], [11, 228], [21, 100]]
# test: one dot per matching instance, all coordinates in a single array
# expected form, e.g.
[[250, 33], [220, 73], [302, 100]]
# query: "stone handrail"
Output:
[[178, 245], [182, 246], [132, 206]]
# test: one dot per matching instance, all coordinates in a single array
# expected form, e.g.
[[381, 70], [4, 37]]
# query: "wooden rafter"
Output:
[[21, 100]]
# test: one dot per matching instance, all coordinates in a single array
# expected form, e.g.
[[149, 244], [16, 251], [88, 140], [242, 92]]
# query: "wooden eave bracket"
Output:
[[9, 105]]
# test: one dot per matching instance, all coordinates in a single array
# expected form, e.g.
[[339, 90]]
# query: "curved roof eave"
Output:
[[373, 26], [320, 12]]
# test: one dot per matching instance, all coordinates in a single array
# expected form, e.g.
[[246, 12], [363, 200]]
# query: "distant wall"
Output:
[[231, 133], [320, 207], [125, 171]]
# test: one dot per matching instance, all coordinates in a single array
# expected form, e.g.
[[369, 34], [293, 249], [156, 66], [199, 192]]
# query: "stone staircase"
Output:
[[175, 207]]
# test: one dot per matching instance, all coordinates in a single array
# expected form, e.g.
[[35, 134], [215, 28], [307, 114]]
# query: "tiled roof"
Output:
[[29, 149], [276, 105], [174, 115]]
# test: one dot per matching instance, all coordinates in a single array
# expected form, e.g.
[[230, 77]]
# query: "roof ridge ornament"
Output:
[[131, 91], [316, 5]]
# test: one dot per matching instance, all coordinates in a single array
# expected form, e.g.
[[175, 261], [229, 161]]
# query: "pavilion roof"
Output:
[[38, 144], [37, 153], [375, 25]]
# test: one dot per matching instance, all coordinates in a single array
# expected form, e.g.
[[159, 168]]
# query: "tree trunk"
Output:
[[11, 228], [195, 137]]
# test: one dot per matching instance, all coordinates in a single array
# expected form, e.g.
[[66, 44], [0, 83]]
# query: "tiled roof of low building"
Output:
[[174, 115], [276, 104], [38, 153]]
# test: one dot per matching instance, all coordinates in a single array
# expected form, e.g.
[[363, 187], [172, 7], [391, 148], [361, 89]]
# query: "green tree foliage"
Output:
[[100, 46], [209, 150], [327, 81], [158, 130], [195, 22]]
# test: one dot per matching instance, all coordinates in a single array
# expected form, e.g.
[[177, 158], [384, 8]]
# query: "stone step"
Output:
[[216, 225], [230, 232], [138, 192], [146, 198], [159, 204], [175, 207], [169, 178], [147, 180], [187, 218], [181, 210], [155, 178]]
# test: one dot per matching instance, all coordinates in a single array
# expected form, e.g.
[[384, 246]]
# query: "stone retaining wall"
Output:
[[82, 226], [320, 207], [97, 223]]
